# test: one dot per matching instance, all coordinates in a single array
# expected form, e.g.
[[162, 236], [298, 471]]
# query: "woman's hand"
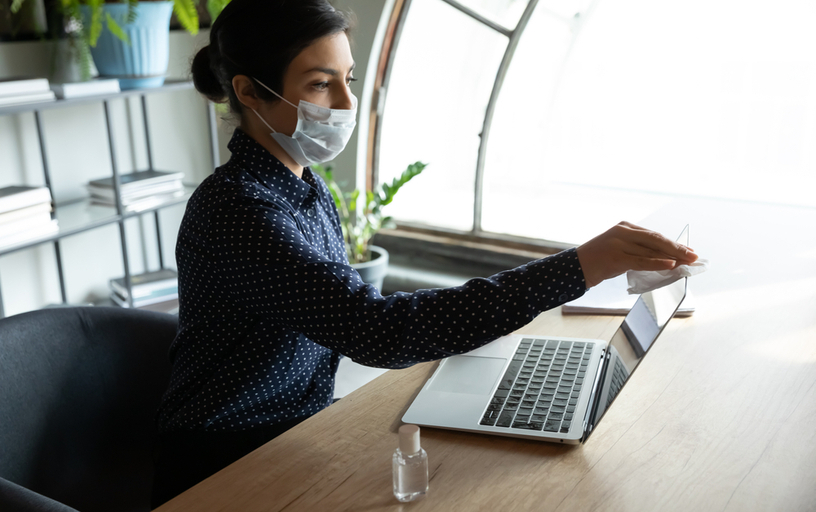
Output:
[[629, 247]]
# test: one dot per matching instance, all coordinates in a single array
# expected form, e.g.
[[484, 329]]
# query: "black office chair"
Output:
[[79, 388]]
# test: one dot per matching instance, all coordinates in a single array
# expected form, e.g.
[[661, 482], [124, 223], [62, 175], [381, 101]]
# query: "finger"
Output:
[[657, 242], [644, 263]]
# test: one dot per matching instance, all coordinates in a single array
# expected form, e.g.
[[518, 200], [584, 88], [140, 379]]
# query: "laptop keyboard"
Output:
[[540, 388], [619, 375]]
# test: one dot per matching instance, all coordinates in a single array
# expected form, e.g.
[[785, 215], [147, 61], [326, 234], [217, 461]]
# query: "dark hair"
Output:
[[260, 38]]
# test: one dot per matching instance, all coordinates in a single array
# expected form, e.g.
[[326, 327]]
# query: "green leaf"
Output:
[[16, 4], [131, 13], [116, 29], [187, 15], [214, 7], [95, 26]]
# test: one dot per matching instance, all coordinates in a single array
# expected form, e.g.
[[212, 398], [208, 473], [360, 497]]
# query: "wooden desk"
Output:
[[720, 415]]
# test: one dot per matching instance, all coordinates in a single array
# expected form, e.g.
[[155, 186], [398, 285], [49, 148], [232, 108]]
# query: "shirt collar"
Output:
[[250, 156]]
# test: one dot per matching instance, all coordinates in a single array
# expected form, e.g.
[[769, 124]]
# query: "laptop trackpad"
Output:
[[468, 374]]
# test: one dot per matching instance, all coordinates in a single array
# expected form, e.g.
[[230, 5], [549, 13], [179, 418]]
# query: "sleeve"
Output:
[[268, 268]]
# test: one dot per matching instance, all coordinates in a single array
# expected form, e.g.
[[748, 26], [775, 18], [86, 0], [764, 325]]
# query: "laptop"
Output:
[[545, 388]]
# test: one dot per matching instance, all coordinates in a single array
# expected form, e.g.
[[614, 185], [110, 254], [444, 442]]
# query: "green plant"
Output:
[[362, 217], [82, 38]]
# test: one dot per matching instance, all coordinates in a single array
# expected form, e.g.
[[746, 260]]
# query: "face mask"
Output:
[[321, 133]]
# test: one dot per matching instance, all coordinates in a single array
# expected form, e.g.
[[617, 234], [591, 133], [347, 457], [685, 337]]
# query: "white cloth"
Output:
[[642, 281]]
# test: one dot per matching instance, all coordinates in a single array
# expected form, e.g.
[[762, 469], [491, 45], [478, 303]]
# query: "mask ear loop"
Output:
[[276, 94], [273, 92], [263, 120]]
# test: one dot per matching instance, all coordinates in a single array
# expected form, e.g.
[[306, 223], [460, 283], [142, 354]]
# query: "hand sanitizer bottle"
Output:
[[410, 466]]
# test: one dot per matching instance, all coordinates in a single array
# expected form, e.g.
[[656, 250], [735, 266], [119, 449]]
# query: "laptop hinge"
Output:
[[605, 356]]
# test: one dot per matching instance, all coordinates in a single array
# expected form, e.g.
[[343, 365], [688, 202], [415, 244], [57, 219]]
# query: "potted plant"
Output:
[[362, 217], [128, 39]]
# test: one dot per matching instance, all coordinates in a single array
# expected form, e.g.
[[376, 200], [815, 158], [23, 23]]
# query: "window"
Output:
[[556, 119]]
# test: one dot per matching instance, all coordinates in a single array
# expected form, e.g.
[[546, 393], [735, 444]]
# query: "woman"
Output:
[[268, 302]]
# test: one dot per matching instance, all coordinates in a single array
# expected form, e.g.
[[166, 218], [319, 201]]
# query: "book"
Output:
[[138, 205], [131, 194], [167, 306], [611, 298], [22, 99], [16, 197], [144, 301], [22, 213], [25, 223], [137, 179], [22, 86], [28, 235], [89, 88], [146, 283]]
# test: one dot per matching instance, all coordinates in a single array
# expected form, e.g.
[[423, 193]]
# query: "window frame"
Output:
[[476, 235]]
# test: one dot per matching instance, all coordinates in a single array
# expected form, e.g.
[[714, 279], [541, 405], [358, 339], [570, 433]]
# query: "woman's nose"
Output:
[[345, 100]]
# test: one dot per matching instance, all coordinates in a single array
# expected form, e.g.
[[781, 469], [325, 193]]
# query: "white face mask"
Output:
[[321, 133]]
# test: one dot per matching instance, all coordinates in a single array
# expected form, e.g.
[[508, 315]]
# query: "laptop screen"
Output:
[[634, 338]]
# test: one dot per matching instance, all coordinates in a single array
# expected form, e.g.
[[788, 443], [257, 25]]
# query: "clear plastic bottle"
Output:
[[410, 466]]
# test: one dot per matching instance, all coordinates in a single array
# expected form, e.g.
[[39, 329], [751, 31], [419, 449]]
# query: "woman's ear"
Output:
[[245, 91]]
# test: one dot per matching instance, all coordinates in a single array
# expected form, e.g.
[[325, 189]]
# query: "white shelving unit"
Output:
[[81, 215]]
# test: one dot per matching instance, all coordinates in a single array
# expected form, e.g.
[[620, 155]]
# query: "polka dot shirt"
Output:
[[268, 302]]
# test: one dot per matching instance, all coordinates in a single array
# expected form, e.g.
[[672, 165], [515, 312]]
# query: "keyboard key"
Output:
[[489, 418], [505, 419], [551, 426], [524, 425]]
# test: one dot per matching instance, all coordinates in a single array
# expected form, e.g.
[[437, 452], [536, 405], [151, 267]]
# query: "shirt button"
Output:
[[310, 212], [563, 297]]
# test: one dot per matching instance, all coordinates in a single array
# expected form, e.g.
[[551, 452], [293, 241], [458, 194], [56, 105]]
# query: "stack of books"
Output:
[[25, 214], [157, 291], [139, 190], [19, 91]]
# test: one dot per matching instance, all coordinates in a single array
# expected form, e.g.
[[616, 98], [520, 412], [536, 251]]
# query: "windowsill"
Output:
[[420, 258]]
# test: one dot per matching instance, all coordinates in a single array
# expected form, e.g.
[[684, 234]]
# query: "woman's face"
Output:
[[320, 74]]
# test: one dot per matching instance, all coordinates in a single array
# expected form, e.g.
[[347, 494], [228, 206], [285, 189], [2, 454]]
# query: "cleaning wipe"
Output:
[[642, 281]]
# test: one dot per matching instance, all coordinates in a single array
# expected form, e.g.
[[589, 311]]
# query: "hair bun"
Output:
[[204, 79]]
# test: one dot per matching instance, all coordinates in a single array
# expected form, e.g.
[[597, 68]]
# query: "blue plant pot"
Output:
[[143, 62]]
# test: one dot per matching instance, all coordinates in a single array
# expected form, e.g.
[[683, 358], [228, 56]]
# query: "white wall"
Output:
[[77, 150]]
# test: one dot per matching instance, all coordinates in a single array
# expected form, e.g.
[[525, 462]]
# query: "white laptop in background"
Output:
[[547, 388]]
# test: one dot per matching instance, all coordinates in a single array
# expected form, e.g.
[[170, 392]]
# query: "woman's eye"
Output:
[[321, 86], [350, 79]]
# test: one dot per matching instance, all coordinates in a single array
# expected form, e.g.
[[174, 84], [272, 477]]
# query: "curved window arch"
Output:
[[555, 119]]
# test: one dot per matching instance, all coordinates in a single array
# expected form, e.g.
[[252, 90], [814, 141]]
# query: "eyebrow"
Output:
[[329, 71]]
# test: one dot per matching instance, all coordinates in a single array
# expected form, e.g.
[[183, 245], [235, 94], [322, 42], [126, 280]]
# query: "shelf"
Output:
[[82, 215], [169, 86]]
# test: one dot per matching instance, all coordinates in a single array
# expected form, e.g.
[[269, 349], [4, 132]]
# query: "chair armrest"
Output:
[[18, 498]]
